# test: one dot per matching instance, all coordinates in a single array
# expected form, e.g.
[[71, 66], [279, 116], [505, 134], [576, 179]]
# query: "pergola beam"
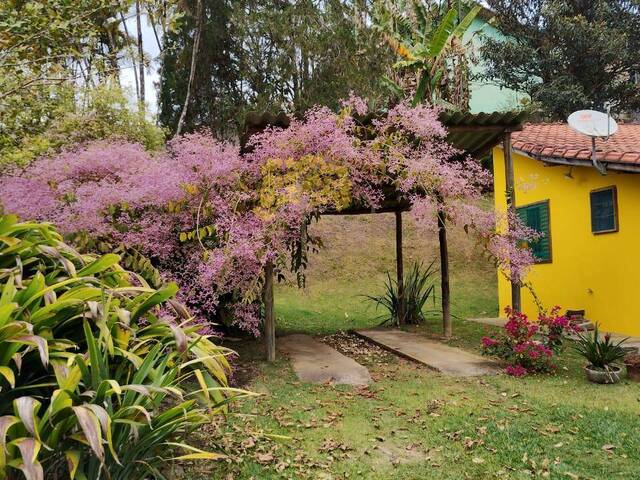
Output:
[[483, 128]]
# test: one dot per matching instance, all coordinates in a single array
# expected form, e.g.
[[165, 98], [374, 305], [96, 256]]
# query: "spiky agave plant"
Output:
[[95, 365], [600, 352], [418, 288]]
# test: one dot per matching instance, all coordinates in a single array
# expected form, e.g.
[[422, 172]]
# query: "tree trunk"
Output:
[[444, 274], [192, 70], [269, 317], [402, 305], [140, 54], [133, 59], [516, 301]]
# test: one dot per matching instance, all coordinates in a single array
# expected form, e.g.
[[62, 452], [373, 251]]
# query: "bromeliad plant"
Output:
[[418, 288], [94, 364], [600, 352]]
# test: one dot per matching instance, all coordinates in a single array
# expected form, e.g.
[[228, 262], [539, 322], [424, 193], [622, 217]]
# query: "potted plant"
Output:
[[602, 355], [632, 362]]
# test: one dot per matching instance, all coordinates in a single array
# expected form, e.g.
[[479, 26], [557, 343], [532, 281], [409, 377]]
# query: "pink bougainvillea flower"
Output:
[[516, 370]]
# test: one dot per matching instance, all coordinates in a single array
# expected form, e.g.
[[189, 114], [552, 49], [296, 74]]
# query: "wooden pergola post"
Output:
[[269, 315], [444, 274], [516, 301], [400, 269]]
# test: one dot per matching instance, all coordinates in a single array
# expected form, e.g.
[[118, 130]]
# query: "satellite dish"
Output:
[[595, 125]]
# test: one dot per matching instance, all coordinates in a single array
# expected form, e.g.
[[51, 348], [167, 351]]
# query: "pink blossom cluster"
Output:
[[120, 194], [516, 370], [528, 347]]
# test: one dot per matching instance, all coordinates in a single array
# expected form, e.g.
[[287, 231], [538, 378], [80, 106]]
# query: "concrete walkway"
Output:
[[440, 357], [316, 362], [496, 322], [616, 337]]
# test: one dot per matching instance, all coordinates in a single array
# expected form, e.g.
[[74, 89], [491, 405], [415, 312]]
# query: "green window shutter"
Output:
[[537, 217], [603, 211]]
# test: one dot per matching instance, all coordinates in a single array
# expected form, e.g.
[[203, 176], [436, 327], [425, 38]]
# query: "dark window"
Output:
[[536, 216], [604, 214]]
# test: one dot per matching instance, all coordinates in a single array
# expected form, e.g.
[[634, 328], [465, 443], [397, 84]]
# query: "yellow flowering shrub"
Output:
[[322, 182]]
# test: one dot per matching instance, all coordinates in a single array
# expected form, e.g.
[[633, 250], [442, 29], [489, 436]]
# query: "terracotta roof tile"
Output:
[[561, 141]]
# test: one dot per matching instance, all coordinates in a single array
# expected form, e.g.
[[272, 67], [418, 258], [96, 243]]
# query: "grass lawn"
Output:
[[412, 423]]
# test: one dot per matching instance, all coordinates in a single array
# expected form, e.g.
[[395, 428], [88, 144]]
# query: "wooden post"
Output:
[[400, 270], [516, 302], [444, 274], [269, 318]]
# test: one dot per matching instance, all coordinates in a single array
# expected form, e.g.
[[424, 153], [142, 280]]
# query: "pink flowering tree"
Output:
[[209, 218]]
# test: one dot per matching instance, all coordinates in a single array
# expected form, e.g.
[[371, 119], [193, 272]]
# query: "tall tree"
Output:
[[270, 55], [568, 54], [213, 91], [140, 53], [192, 69]]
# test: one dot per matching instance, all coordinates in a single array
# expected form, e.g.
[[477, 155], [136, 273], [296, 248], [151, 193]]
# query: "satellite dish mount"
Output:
[[595, 125]]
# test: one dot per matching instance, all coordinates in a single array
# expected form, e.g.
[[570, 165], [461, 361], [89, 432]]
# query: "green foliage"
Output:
[[427, 39], [130, 258], [600, 353], [104, 113], [47, 48], [567, 55], [270, 55], [418, 289], [94, 365]]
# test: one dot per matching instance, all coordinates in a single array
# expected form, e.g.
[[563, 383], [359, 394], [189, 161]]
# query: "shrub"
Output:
[[520, 348], [418, 289], [94, 365], [601, 353], [103, 113]]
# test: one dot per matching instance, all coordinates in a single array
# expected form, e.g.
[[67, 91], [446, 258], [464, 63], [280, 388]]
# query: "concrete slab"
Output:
[[496, 322], [436, 355], [316, 362]]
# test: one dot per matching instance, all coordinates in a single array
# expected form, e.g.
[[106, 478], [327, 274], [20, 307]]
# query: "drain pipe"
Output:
[[594, 158]]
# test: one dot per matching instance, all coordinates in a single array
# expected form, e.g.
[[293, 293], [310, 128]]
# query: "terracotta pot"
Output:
[[603, 376], [633, 372]]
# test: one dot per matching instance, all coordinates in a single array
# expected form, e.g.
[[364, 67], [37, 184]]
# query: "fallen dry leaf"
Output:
[[264, 458]]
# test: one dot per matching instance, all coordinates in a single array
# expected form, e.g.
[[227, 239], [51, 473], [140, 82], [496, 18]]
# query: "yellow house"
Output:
[[589, 256]]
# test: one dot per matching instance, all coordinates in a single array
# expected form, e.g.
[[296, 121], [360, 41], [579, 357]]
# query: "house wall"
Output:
[[599, 273], [487, 96]]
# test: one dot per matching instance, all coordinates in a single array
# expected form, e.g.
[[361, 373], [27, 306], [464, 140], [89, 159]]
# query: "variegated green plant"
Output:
[[95, 364]]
